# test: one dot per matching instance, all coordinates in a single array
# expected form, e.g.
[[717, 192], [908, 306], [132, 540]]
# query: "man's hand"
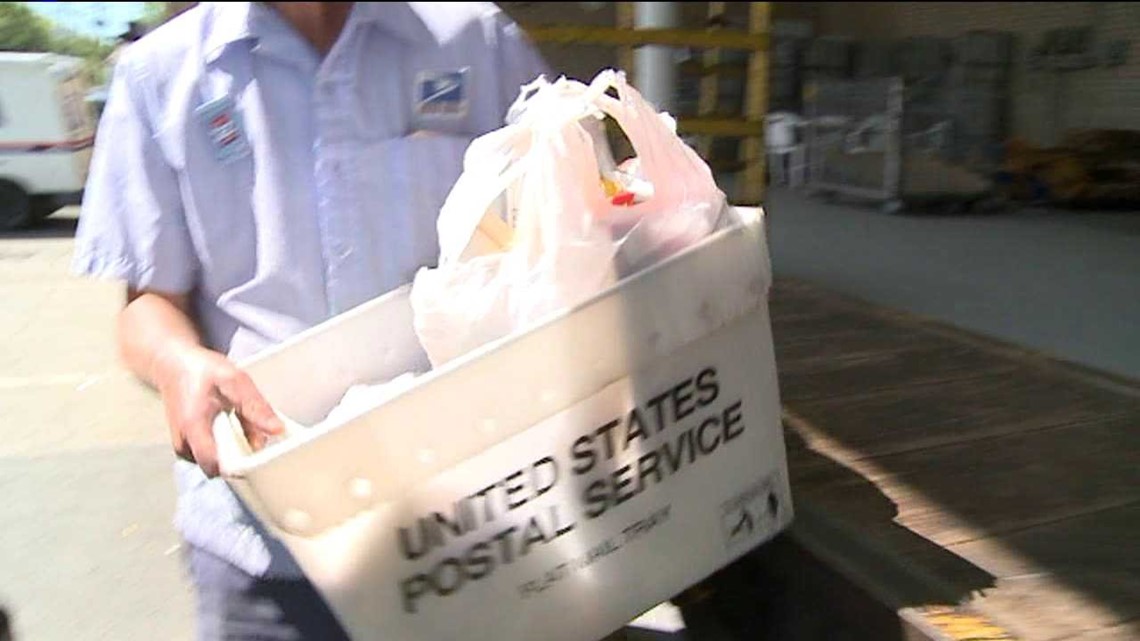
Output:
[[160, 345], [196, 385]]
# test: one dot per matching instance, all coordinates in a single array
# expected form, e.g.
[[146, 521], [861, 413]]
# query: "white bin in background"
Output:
[[552, 485]]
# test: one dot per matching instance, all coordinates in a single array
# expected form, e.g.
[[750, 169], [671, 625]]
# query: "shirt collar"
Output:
[[235, 22], [230, 24], [399, 19]]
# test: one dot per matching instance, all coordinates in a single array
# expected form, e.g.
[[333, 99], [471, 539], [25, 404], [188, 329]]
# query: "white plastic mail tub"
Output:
[[552, 485]]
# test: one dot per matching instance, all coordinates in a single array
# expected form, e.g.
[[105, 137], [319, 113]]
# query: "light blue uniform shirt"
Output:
[[280, 189]]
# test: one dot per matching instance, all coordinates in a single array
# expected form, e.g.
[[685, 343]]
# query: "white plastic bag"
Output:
[[541, 174], [363, 397]]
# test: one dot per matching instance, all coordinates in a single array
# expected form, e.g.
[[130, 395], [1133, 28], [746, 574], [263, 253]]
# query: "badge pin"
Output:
[[441, 93], [224, 127]]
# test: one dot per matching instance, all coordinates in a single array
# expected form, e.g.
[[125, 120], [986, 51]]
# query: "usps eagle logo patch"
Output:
[[442, 94], [224, 127]]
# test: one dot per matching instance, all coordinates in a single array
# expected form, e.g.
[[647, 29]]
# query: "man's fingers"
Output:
[[181, 447], [200, 439], [191, 435], [258, 419]]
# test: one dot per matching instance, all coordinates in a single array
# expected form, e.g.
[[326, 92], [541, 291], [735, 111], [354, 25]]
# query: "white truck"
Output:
[[46, 135]]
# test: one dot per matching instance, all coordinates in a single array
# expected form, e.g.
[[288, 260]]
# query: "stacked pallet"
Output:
[[978, 89], [785, 74], [829, 57]]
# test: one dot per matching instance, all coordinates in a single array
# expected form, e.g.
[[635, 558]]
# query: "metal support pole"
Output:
[[655, 66], [625, 53], [755, 109], [710, 83]]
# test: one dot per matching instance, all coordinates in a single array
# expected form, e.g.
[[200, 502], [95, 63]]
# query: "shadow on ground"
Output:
[[783, 592], [1016, 461]]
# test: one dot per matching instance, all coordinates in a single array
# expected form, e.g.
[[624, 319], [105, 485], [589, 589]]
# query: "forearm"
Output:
[[154, 332], [161, 346]]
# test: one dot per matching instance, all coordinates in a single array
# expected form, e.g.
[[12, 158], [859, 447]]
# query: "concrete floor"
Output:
[[1065, 283]]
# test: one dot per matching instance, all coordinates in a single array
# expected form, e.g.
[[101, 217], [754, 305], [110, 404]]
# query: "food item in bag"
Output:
[[578, 220], [543, 218], [629, 187], [492, 236]]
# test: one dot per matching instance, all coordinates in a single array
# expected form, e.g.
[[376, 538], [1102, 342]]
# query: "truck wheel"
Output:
[[15, 206], [43, 206]]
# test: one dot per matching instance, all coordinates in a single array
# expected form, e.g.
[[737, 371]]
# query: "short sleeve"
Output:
[[131, 223]]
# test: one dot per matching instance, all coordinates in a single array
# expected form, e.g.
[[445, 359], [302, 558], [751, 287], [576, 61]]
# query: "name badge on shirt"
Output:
[[224, 126], [441, 93]]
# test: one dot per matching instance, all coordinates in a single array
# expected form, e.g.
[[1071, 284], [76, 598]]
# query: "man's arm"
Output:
[[152, 328], [132, 228], [160, 345]]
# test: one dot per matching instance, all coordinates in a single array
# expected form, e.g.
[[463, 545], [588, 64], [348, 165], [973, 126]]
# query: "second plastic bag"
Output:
[[528, 229]]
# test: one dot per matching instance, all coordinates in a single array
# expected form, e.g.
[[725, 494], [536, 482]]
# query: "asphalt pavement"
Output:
[[87, 550]]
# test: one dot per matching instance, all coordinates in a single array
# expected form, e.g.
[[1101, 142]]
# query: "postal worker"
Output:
[[259, 168]]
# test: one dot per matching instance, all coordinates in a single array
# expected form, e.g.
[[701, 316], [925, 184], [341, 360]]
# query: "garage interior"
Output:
[[994, 189], [967, 169], [1031, 103]]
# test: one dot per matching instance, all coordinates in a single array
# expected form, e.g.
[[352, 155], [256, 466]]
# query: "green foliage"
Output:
[[73, 44], [21, 29], [154, 14]]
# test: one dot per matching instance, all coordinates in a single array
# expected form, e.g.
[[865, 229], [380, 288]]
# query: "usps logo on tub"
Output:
[[442, 93]]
